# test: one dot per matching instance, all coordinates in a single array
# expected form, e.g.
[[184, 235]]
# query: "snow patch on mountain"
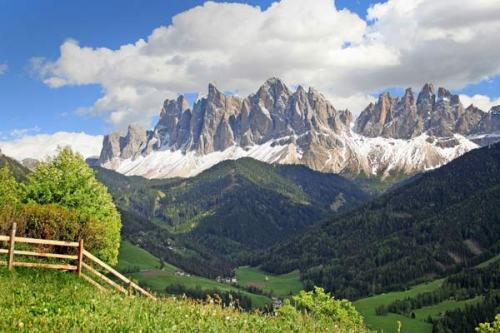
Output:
[[168, 163], [381, 156]]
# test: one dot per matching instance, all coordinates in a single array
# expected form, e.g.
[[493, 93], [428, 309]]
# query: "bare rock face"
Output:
[[111, 148], [218, 122], [277, 125], [405, 118], [29, 163], [470, 119], [128, 146], [133, 142], [490, 122]]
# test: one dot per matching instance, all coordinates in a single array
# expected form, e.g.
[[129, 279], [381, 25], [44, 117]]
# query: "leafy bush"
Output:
[[10, 190], [68, 181], [490, 328], [53, 222], [325, 308], [63, 200]]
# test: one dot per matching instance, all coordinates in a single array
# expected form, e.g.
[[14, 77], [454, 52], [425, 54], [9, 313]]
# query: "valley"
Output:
[[269, 166], [163, 278], [207, 225], [168, 255]]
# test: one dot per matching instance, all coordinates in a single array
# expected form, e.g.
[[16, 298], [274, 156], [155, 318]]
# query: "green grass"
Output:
[[488, 262], [388, 323], [145, 268], [49, 301], [279, 285], [435, 311], [132, 257], [159, 280]]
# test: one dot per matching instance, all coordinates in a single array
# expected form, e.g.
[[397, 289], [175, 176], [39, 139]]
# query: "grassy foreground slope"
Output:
[[42, 301]]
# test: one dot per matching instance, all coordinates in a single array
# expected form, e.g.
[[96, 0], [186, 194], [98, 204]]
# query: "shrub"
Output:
[[490, 328], [52, 222], [10, 190], [324, 307], [67, 181]]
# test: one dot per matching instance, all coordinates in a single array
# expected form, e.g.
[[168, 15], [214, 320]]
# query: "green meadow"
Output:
[[279, 285]]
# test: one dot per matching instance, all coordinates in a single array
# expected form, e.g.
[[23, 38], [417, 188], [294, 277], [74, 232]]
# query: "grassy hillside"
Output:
[[148, 270], [460, 290], [133, 258], [439, 222], [209, 223], [41, 301], [279, 285], [389, 322], [159, 280]]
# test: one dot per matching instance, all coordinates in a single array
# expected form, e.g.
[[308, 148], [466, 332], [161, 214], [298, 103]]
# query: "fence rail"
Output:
[[100, 271]]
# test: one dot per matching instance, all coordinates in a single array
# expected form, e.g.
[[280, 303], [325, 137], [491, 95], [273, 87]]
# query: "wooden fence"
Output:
[[93, 265]]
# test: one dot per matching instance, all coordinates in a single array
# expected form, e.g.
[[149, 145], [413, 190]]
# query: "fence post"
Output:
[[12, 242], [80, 258]]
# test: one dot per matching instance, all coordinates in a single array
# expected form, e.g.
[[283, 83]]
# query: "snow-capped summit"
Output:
[[277, 125]]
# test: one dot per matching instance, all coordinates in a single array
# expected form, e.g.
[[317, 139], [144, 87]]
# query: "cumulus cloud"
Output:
[[483, 102], [3, 68], [41, 146], [400, 43], [20, 132]]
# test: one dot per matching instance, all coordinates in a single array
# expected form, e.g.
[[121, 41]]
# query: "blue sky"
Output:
[[38, 28]]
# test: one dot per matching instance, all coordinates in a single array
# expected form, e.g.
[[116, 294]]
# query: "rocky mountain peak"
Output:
[[488, 126], [275, 87], [218, 121], [426, 99], [443, 94], [406, 118], [214, 94], [409, 97], [278, 125]]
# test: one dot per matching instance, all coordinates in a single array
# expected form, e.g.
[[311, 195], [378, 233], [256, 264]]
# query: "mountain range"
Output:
[[395, 135]]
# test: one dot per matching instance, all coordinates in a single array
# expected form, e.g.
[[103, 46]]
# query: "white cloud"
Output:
[[20, 132], [3, 68], [483, 102], [355, 103], [44, 145], [401, 43]]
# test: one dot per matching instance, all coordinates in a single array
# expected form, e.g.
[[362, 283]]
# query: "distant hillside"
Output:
[[18, 170], [430, 226], [226, 212]]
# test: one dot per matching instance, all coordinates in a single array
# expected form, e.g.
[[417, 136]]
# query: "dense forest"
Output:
[[438, 222], [210, 223]]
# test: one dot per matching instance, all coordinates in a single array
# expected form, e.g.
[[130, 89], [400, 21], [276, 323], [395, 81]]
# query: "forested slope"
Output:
[[428, 227], [208, 223]]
